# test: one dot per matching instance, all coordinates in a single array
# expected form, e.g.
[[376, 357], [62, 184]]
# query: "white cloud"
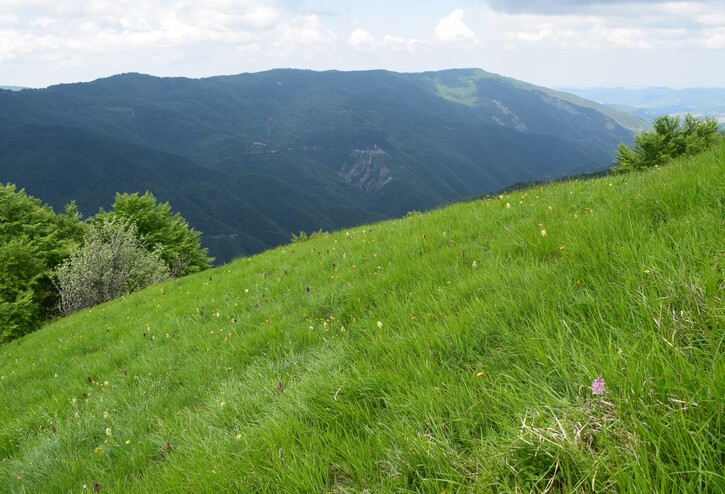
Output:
[[657, 27], [714, 39], [253, 16], [361, 40], [452, 29], [304, 34], [9, 19], [398, 43], [48, 41], [620, 37]]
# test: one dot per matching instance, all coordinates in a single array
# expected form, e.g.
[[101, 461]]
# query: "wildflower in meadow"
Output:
[[598, 386], [380, 325], [108, 431], [543, 233]]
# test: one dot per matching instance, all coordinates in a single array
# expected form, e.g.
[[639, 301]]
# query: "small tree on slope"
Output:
[[669, 139]]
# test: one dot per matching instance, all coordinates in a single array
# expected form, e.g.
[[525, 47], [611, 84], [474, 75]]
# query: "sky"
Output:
[[553, 43]]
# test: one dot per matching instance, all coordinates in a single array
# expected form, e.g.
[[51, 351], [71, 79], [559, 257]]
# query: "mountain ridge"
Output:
[[376, 143]]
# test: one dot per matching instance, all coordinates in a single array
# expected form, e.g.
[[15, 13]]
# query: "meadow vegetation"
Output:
[[564, 338]]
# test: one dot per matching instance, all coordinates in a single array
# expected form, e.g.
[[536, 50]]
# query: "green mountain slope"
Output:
[[374, 143], [451, 351], [238, 214]]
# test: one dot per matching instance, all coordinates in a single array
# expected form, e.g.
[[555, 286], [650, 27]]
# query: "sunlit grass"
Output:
[[451, 351]]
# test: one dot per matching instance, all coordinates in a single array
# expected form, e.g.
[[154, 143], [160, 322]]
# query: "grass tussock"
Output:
[[453, 351]]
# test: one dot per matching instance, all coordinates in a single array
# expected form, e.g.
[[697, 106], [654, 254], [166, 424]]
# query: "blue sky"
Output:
[[554, 43]]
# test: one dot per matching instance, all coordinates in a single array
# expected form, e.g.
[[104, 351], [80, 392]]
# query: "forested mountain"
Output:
[[251, 158]]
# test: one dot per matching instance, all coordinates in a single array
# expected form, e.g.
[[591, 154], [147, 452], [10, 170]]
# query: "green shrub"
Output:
[[113, 262], [303, 237], [168, 233], [33, 241], [669, 139]]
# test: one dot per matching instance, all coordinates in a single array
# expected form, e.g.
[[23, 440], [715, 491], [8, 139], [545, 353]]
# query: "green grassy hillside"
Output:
[[447, 352]]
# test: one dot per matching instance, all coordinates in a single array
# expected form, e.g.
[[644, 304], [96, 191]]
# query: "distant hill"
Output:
[[12, 88], [251, 158], [652, 102]]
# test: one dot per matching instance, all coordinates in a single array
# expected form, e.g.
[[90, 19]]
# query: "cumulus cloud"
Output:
[[361, 39], [56, 29], [453, 29]]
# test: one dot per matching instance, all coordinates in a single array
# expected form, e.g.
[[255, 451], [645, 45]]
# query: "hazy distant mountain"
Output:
[[652, 102], [248, 159], [12, 88]]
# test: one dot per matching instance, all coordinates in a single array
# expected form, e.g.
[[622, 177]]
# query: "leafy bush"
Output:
[[139, 243], [303, 237], [33, 241], [178, 245], [112, 262], [669, 139]]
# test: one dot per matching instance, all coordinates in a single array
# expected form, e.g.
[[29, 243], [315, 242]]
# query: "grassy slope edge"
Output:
[[447, 351]]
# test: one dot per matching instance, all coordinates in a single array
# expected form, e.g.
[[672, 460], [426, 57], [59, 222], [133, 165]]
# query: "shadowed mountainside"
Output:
[[251, 158]]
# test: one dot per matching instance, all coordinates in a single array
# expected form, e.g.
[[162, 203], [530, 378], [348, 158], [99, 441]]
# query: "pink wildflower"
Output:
[[598, 386]]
